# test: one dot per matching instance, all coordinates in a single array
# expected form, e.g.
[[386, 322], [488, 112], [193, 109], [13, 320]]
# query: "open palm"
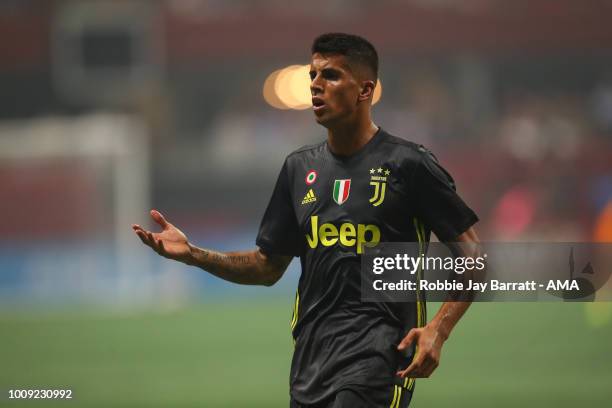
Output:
[[171, 242]]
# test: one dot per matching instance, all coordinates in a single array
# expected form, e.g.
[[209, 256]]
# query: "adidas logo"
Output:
[[309, 197]]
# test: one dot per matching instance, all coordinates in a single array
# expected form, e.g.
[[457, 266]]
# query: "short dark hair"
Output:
[[356, 49]]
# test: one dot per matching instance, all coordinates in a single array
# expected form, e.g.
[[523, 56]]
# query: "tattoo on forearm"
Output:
[[238, 259], [247, 267], [232, 259]]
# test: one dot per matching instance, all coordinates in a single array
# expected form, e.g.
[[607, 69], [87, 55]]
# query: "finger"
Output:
[[153, 240], [162, 250], [143, 237], [159, 246], [412, 373], [156, 243], [159, 218], [407, 341], [426, 368], [409, 373], [413, 369], [137, 228], [155, 246]]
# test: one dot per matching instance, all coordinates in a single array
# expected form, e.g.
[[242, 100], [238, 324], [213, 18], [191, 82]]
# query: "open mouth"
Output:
[[317, 104]]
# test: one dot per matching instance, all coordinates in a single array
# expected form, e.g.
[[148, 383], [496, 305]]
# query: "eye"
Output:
[[331, 75], [312, 75]]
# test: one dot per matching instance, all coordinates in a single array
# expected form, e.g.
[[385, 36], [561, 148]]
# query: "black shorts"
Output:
[[364, 397]]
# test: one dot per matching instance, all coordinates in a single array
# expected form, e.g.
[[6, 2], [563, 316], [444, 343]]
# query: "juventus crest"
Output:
[[378, 180]]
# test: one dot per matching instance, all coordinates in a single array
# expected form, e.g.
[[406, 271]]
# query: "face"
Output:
[[336, 91]]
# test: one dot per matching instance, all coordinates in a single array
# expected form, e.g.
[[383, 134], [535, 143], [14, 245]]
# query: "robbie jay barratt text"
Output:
[[493, 285]]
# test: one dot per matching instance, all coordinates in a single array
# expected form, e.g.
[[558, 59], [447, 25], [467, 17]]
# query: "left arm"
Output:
[[430, 338]]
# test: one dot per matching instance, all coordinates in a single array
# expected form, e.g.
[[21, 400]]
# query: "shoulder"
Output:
[[409, 152], [308, 149], [305, 154]]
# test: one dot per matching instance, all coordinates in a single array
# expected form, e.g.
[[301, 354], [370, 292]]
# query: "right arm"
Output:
[[252, 267]]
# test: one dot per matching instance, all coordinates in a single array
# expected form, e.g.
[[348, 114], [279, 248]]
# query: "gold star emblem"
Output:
[[387, 172], [372, 171], [379, 170]]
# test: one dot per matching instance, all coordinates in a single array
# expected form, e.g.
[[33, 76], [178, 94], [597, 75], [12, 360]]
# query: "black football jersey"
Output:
[[326, 209]]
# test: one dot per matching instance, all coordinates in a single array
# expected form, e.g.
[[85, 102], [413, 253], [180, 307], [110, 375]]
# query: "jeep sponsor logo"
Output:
[[347, 234]]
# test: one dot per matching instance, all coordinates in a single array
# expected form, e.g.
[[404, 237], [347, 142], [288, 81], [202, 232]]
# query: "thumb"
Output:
[[407, 341], [158, 218]]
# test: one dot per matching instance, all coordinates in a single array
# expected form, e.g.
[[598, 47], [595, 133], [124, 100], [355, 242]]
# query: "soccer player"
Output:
[[360, 187]]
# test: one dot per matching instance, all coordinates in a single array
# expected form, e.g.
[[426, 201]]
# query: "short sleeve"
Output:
[[279, 232], [438, 203]]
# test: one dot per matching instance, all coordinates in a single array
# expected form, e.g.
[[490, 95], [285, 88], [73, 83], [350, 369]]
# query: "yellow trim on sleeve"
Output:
[[296, 306]]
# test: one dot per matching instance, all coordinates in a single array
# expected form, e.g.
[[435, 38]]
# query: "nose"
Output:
[[316, 86]]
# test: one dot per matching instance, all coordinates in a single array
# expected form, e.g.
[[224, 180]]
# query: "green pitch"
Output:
[[238, 355]]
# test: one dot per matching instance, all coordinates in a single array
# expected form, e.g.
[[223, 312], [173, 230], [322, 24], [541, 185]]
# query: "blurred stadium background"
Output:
[[109, 108]]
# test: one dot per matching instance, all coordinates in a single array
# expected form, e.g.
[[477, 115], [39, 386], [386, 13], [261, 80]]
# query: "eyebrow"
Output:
[[327, 70]]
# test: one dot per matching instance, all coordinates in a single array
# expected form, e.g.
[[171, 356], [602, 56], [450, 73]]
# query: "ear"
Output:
[[367, 90]]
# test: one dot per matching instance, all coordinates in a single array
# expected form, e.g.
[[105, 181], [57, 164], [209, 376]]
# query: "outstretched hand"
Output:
[[170, 242], [428, 349]]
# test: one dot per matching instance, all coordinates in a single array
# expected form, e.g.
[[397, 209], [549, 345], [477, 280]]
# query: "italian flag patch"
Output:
[[341, 190]]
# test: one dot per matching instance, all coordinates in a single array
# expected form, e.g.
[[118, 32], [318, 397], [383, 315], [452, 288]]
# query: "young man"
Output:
[[359, 187]]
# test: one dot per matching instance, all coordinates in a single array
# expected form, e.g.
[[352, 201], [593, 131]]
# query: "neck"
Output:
[[347, 139]]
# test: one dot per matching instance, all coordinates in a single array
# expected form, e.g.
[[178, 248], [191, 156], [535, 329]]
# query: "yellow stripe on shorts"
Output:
[[399, 397], [395, 388]]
